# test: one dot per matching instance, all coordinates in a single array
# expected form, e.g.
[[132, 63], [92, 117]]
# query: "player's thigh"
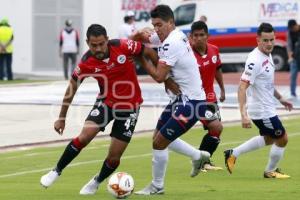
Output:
[[116, 148], [100, 114], [271, 127], [212, 119], [182, 119], [124, 124], [160, 142], [164, 117], [89, 131]]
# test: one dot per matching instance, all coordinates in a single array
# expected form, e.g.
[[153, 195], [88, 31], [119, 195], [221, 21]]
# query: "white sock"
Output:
[[159, 166], [184, 148], [250, 145], [276, 153]]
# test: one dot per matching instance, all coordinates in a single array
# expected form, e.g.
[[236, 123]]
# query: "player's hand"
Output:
[[288, 105], [222, 96], [59, 126], [246, 122], [171, 85]]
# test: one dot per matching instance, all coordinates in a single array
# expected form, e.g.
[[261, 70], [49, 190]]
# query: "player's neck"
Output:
[[202, 50]]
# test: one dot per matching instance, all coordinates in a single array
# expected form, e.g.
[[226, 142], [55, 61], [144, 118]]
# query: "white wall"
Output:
[[19, 13]]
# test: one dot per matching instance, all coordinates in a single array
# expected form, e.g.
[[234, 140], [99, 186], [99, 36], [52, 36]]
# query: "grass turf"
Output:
[[20, 171]]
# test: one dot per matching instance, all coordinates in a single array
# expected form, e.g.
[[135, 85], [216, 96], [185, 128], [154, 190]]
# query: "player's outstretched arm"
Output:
[[288, 105], [246, 123], [158, 73], [59, 124]]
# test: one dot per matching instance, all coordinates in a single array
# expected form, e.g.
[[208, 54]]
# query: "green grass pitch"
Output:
[[21, 170]]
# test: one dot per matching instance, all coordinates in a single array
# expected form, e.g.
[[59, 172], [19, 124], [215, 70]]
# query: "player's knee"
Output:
[[77, 143], [282, 142], [215, 129]]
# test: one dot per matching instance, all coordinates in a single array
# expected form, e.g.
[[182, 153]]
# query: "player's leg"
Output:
[[2, 63], [73, 62], [122, 131], [280, 138], [96, 121], [65, 65], [211, 140], [183, 118], [159, 162]]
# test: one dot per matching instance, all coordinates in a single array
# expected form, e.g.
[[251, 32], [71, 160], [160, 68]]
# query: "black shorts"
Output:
[[124, 120], [270, 127]]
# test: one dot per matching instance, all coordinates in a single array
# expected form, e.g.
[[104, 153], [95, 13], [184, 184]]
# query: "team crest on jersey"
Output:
[[95, 112], [214, 59], [121, 59]]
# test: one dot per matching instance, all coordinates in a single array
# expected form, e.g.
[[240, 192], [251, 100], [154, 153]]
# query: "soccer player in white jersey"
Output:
[[176, 60], [257, 90]]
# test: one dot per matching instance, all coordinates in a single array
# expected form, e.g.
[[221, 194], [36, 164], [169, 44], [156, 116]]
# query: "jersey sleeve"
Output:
[[171, 52], [81, 71], [219, 62], [250, 72], [131, 47]]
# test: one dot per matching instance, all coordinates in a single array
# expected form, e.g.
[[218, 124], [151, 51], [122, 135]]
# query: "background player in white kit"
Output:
[[257, 89], [176, 59]]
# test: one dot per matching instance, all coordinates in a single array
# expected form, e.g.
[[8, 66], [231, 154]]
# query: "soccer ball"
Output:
[[120, 185]]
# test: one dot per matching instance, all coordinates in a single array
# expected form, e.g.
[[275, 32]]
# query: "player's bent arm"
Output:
[[288, 105], [151, 54], [158, 73], [219, 79], [242, 97], [141, 35], [69, 95]]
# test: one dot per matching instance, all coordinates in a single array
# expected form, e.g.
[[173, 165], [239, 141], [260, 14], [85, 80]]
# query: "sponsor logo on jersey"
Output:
[[128, 133], [214, 59], [170, 131], [121, 59], [97, 70], [206, 63], [110, 66], [130, 44], [250, 66], [95, 112]]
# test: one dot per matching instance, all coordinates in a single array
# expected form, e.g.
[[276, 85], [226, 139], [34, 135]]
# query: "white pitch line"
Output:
[[95, 161], [71, 165]]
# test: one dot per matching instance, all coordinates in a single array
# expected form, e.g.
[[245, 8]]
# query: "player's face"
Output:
[[162, 28], [98, 46], [266, 42], [199, 38]]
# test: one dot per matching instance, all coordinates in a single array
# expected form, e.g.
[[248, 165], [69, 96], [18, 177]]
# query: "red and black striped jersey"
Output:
[[116, 75]]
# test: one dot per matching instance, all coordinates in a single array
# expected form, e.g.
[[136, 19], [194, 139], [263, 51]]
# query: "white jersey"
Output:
[[69, 39], [259, 72], [176, 52]]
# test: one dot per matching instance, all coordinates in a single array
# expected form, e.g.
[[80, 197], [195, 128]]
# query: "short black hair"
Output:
[[291, 23], [199, 25], [265, 27], [96, 30], [163, 12]]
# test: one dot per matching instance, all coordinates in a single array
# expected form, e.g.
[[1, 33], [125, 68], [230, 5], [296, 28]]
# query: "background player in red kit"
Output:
[[110, 63], [208, 58]]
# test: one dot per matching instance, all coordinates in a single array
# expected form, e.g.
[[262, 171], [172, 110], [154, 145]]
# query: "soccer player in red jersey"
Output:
[[208, 58], [110, 62]]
